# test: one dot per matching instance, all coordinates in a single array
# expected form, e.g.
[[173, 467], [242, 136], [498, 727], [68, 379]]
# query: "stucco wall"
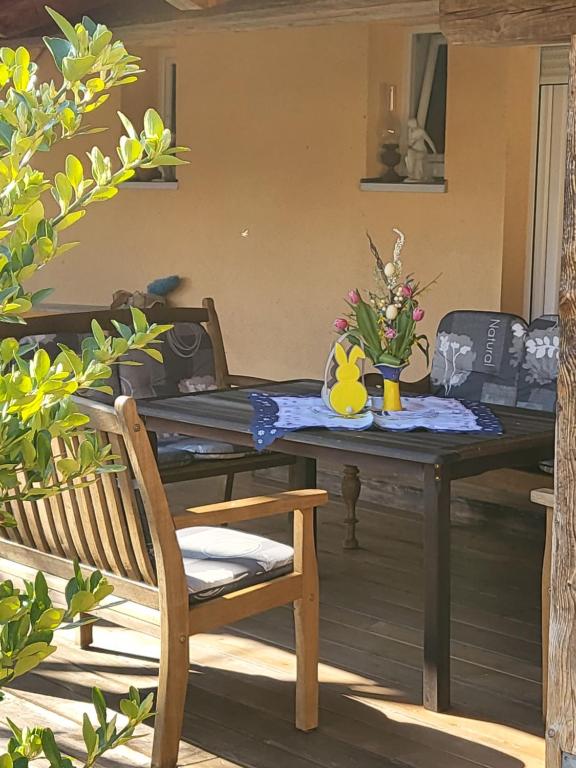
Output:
[[277, 124]]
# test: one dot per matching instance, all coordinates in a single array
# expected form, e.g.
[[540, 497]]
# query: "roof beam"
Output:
[[506, 22], [194, 5], [141, 18]]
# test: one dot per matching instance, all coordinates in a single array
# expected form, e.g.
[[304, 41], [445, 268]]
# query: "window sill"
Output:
[[375, 185], [149, 185]]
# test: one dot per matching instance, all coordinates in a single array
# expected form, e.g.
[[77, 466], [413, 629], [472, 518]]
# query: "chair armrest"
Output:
[[249, 509], [233, 380], [543, 496]]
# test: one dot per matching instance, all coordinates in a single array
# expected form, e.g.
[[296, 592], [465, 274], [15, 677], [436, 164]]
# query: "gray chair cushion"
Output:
[[478, 356], [175, 451], [222, 560], [539, 368], [188, 365]]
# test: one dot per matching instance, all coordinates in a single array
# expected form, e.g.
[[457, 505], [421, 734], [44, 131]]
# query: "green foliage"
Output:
[[28, 620], [36, 392], [35, 395]]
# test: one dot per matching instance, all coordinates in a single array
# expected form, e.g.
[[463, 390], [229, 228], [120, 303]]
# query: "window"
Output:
[[155, 87], [428, 92], [168, 106]]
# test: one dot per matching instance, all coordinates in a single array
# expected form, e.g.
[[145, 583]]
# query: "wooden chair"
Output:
[[167, 590], [201, 458]]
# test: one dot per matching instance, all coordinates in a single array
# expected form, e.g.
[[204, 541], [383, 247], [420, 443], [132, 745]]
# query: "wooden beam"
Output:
[[258, 14], [561, 710], [505, 22], [155, 22], [194, 5], [24, 17]]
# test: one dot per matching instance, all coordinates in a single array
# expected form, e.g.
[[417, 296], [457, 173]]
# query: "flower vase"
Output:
[[391, 391]]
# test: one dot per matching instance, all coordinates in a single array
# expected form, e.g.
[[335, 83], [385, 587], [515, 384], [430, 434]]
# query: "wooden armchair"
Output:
[[172, 587], [194, 356]]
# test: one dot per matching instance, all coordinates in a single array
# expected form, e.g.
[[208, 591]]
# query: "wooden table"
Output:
[[433, 458]]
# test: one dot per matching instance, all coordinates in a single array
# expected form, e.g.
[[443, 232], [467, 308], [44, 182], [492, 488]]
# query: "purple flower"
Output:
[[390, 333], [354, 297], [407, 291], [418, 314], [341, 324]]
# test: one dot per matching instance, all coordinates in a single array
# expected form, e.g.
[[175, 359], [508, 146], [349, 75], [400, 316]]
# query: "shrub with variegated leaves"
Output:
[[36, 404]]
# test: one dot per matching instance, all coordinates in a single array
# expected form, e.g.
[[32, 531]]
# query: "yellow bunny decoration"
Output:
[[348, 396]]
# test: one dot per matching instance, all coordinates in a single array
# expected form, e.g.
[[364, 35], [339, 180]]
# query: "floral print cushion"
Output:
[[188, 365], [478, 356], [539, 368]]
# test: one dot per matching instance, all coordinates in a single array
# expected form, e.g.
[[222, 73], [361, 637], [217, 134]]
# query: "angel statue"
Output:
[[416, 153]]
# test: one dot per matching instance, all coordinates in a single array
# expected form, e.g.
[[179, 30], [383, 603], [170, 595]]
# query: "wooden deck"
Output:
[[241, 691]]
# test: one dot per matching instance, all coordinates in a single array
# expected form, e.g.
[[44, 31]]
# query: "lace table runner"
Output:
[[276, 415]]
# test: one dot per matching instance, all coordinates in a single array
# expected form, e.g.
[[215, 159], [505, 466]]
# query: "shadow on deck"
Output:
[[239, 711]]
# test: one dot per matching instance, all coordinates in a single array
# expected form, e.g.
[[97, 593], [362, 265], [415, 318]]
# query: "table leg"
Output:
[[436, 684], [303, 475]]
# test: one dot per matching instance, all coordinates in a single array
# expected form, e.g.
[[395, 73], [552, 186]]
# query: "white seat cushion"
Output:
[[222, 560]]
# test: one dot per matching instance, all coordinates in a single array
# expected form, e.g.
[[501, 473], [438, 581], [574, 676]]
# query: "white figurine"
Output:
[[416, 153]]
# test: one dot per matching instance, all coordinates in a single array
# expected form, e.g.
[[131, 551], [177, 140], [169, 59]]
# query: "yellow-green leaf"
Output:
[[68, 220]]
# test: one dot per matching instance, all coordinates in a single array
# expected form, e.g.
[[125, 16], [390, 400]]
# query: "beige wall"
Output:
[[278, 124]]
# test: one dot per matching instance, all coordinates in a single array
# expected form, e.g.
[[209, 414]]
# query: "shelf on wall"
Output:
[[376, 185], [149, 185]]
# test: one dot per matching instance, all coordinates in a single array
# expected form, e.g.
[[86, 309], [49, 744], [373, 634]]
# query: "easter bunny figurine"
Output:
[[348, 396]]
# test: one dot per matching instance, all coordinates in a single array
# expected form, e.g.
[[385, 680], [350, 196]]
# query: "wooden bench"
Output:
[[205, 319]]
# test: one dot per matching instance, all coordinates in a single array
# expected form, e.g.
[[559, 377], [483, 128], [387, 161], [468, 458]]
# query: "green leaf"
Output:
[[130, 150], [155, 354], [74, 171], [65, 26], [99, 703], [81, 602], [74, 69], [103, 193], [167, 160], [98, 333], [21, 78], [130, 130], [59, 49], [139, 320], [153, 125], [68, 220], [6, 761], [40, 295], [50, 619], [89, 734], [22, 57]]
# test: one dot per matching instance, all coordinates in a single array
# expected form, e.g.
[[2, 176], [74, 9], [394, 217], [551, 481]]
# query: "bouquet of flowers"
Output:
[[386, 325]]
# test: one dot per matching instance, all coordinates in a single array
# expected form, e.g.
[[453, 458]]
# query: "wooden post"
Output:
[[561, 710]]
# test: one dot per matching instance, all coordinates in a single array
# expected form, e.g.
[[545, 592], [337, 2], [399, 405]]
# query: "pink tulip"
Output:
[[418, 314], [354, 297], [407, 291], [390, 333], [341, 324]]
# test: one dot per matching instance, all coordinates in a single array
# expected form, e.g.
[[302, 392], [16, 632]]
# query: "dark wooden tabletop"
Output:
[[527, 434]]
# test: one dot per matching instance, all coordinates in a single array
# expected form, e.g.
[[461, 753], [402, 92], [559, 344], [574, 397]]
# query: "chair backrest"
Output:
[[194, 355], [478, 356], [101, 524], [539, 366]]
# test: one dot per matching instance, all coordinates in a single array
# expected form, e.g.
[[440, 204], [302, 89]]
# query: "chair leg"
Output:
[[306, 624], [229, 487], [171, 698], [351, 487], [85, 634], [546, 578]]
